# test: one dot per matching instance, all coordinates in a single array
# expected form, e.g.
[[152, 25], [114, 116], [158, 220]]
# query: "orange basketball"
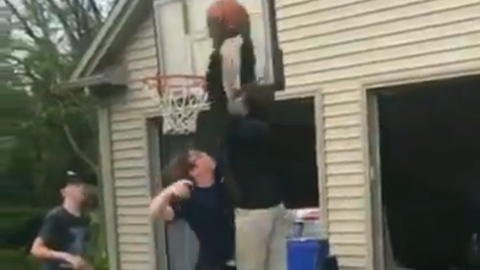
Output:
[[229, 12]]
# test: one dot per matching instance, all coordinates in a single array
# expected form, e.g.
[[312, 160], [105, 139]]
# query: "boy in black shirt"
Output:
[[198, 197], [61, 241]]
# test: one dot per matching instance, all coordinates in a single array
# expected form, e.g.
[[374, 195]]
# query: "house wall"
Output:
[[129, 154], [340, 46], [337, 46]]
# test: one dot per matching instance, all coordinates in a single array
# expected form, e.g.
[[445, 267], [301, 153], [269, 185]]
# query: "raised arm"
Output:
[[160, 205]]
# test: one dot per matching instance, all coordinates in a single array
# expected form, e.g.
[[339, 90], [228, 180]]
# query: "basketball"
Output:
[[231, 14]]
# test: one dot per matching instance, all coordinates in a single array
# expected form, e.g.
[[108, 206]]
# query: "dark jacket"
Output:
[[212, 124], [245, 155]]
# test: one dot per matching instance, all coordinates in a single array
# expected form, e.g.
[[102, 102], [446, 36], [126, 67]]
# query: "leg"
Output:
[[253, 229], [283, 224]]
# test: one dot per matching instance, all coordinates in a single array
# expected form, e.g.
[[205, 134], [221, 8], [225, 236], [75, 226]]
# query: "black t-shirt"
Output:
[[64, 232], [251, 160], [208, 214]]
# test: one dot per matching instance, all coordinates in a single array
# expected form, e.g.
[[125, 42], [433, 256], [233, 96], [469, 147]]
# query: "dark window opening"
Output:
[[294, 131], [429, 145], [293, 127]]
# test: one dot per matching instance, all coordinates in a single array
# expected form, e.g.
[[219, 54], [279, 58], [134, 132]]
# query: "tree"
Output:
[[60, 130], [10, 100]]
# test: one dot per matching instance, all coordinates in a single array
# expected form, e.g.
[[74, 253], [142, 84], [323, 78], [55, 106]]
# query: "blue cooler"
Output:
[[306, 253], [306, 250]]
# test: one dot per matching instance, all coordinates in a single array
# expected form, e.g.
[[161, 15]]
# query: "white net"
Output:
[[182, 99]]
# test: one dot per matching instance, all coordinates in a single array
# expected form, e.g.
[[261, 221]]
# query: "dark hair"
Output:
[[179, 167]]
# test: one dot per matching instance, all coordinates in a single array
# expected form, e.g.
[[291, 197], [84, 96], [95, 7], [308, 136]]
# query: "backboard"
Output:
[[185, 46]]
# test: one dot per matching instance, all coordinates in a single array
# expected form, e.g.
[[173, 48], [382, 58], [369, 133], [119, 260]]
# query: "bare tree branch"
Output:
[[84, 106], [25, 66], [73, 143], [67, 27], [26, 26], [42, 22], [77, 149], [84, 27], [96, 11]]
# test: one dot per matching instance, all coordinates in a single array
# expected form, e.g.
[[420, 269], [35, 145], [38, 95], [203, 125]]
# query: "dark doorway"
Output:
[[294, 132], [430, 170], [293, 126]]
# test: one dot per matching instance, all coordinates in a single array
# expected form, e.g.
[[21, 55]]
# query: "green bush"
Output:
[[18, 226], [15, 216], [17, 260], [97, 252]]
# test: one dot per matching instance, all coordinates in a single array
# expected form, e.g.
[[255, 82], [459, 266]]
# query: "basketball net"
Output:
[[179, 98]]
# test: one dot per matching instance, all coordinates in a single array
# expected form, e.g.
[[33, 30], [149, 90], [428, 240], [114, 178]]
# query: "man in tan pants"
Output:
[[247, 159], [260, 238]]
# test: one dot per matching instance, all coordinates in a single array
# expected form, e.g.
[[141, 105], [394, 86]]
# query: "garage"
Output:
[[427, 138]]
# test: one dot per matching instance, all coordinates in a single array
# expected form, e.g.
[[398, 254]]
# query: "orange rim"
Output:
[[170, 81]]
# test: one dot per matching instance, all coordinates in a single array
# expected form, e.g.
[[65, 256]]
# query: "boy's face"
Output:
[[75, 192], [203, 164]]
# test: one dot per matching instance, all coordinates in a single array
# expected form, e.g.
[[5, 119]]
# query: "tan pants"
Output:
[[261, 238]]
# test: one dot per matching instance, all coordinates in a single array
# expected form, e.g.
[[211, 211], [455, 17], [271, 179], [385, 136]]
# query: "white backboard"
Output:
[[183, 39]]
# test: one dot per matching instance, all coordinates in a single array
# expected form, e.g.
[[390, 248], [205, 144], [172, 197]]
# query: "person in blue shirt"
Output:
[[198, 196]]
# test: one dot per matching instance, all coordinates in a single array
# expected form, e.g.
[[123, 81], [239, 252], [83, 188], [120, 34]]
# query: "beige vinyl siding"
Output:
[[355, 39], [338, 46], [344, 176], [129, 154]]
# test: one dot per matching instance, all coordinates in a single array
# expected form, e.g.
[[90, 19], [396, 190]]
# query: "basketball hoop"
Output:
[[180, 99]]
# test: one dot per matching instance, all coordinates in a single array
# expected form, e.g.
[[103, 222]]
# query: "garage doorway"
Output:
[[425, 145]]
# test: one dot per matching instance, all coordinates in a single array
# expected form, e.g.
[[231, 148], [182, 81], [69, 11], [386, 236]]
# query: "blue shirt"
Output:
[[208, 214]]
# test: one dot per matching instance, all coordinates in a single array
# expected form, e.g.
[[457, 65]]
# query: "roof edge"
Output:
[[104, 39]]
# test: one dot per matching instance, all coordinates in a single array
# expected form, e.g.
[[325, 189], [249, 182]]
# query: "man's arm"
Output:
[[41, 251], [160, 206], [39, 248]]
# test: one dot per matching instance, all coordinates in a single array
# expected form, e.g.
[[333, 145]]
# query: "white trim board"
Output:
[[107, 187]]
